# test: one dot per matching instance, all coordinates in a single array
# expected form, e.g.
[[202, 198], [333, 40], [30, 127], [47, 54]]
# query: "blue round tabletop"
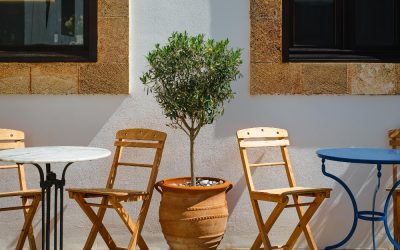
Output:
[[361, 155]]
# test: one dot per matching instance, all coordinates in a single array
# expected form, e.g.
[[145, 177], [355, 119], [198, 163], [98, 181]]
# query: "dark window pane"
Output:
[[41, 22], [374, 23], [314, 23], [11, 27]]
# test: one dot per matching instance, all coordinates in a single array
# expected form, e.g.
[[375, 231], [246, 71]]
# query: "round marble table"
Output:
[[46, 156]]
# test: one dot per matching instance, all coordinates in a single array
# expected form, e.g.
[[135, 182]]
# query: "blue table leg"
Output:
[[385, 222], [353, 202], [379, 174]]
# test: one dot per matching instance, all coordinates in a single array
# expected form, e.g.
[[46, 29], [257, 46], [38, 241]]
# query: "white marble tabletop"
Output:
[[54, 154]]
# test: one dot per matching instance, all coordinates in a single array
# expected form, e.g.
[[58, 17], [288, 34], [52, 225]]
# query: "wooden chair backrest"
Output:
[[262, 137], [10, 139], [138, 138], [394, 142]]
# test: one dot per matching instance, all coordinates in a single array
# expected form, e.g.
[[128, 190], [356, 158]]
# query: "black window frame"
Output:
[[48, 53], [343, 38]]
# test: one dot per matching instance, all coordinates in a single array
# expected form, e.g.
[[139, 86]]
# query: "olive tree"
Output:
[[191, 77]]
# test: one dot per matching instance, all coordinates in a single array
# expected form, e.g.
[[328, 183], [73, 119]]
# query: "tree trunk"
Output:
[[193, 178]]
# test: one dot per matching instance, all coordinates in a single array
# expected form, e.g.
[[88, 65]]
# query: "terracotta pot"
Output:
[[193, 217]]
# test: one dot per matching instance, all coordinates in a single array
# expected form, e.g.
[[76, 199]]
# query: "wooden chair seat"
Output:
[[23, 193], [278, 193], [120, 194]]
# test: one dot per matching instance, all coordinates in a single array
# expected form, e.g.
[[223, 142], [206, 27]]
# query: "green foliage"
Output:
[[191, 79]]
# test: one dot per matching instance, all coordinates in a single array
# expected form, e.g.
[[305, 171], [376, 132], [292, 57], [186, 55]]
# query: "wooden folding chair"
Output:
[[274, 137], [112, 198], [10, 139], [394, 142]]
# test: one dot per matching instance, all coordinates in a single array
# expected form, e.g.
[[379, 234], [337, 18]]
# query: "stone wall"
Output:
[[269, 75], [109, 75]]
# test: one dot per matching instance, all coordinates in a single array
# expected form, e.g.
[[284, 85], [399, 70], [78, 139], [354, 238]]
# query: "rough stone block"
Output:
[[270, 9], [114, 8], [372, 78], [265, 41], [54, 79], [14, 78], [271, 78], [113, 40], [397, 91], [104, 79], [324, 78]]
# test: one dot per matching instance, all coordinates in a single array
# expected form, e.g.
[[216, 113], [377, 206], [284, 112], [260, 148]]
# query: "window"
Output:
[[341, 30], [48, 30]]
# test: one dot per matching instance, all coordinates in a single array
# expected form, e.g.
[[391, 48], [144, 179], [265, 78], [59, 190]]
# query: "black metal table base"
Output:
[[46, 184]]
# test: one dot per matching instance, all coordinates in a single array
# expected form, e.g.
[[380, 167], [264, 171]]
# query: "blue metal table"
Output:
[[375, 156]]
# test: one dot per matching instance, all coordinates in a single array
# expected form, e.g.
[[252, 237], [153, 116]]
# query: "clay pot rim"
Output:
[[167, 184]]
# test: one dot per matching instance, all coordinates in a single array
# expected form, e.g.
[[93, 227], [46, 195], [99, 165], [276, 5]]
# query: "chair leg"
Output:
[[306, 228], [396, 221], [97, 222], [269, 223], [94, 231], [142, 244], [133, 228], [304, 221], [260, 224], [28, 222], [140, 223], [31, 239], [31, 236]]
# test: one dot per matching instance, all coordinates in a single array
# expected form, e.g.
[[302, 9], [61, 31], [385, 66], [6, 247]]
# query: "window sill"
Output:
[[296, 55], [11, 57]]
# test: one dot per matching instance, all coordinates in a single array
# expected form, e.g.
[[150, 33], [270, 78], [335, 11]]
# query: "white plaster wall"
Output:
[[313, 122]]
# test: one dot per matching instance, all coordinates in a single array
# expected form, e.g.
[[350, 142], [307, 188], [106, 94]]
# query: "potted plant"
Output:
[[191, 78]]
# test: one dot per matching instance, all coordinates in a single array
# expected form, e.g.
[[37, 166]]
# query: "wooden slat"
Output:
[[262, 132], [98, 205], [14, 208], [271, 164], [279, 247], [300, 204], [394, 133], [8, 167], [267, 197], [138, 144], [135, 164], [256, 144], [10, 134], [141, 134], [11, 145], [394, 143]]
